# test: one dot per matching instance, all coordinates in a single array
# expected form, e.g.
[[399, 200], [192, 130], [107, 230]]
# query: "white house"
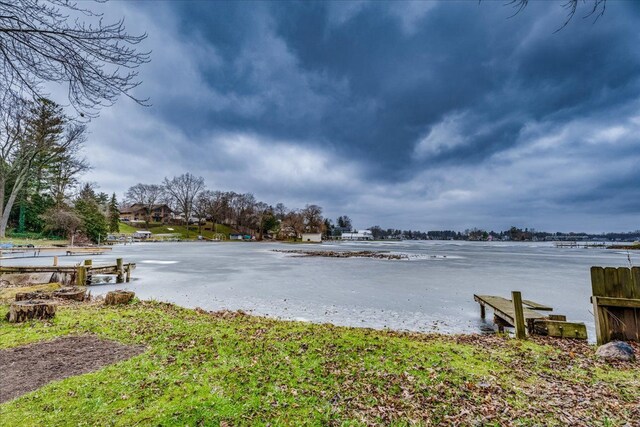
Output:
[[358, 235], [142, 234], [312, 237]]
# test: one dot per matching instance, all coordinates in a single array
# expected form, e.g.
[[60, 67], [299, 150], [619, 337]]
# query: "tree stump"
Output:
[[21, 311], [73, 293], [23, 296], [118, 297]]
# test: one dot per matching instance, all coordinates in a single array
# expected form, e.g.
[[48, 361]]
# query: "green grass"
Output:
[[191, 232], [32, 241], [127, 228], [231, 369]]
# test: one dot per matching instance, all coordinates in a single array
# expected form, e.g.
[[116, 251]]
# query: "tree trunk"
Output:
[[73, 293], [4, 220], [22, 311], [118, 297], [24, 296]]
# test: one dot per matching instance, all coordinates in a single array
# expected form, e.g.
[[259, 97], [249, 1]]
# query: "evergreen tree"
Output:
[[94, 222], [114, 215]]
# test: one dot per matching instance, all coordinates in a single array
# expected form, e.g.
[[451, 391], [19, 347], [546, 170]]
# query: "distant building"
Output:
[[138, 213], [358, 235], [312, 237], [142, 234]]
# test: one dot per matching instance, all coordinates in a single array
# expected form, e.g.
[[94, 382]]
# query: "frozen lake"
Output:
[[433, 291]]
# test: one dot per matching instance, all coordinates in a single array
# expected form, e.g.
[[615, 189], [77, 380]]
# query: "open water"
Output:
[[432, 291]]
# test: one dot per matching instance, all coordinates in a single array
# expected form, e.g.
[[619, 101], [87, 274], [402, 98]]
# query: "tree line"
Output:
[[191, 202]]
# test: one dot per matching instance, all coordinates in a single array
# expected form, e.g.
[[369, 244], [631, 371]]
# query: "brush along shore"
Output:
[[229, 368]]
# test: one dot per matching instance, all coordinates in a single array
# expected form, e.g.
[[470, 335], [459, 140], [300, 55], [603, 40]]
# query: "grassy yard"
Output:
[[35, 242], [190, 233], [232, 369]]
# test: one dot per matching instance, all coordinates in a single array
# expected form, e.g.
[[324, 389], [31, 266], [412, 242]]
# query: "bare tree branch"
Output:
[[598, 9], [40, 42]]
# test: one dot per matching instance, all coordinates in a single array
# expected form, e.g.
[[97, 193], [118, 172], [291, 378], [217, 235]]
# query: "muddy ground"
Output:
[[30, 367]]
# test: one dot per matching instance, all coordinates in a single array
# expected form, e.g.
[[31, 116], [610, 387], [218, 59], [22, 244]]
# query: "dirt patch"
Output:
[[29, 367]]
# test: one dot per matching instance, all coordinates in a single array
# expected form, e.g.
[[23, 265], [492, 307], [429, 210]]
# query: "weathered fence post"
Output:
[[120, 273], [88, 275], [516, 297], [55, 261], [81, 275]]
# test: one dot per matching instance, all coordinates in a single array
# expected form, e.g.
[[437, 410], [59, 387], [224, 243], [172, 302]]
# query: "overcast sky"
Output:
[[421, 115]]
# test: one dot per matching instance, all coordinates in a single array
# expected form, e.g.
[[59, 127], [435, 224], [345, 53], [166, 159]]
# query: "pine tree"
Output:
[[94, 222], [114, 215]]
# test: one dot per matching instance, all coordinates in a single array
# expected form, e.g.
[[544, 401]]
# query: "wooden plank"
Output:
[[597, 281], [518, 311], [37, 269], [635, 276], [536, 305], [618, 302], [628, 324], [503, 308], [561, 329], [560, 317], [626, 283], [601, 322], [97, 269], [611, 283]]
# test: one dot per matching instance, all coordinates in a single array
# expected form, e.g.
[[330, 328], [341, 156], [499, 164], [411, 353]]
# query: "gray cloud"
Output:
[[414, 115]]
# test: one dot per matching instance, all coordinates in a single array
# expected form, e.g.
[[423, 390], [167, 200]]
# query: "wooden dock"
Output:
[[68, 250], [80, 274], [504, 309], [523, 314]]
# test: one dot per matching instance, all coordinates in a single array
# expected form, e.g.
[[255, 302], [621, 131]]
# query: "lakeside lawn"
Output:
[[232, 369]]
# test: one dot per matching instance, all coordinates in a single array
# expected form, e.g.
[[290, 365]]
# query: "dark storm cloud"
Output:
[[372, 88], [451, 105]]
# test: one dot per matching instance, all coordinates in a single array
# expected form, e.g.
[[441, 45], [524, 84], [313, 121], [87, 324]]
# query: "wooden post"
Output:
[[128, 272], [516, 297], [55, 261], [600, 314], [120, 273], [81, 275], [87, 271], [482, 311]]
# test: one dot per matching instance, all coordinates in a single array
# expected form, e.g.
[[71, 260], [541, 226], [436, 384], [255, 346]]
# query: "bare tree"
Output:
[[292, 225], [183, 190], [62, 174], [312, 217], [201, 207], [146, 195], [281, 211], [59, 41], [63, 221], [218, 208]]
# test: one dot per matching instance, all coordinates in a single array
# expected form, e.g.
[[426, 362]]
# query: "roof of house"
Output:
[[137, 207]]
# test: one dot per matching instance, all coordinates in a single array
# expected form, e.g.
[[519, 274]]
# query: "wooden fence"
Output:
[[616, 303]]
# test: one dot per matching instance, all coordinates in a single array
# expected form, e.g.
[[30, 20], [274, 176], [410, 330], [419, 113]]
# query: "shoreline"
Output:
[[237, 369]]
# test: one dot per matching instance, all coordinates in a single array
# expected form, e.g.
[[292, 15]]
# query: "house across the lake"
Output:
[[142, 234], [138, 212], [312, 237], [358, 235]]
